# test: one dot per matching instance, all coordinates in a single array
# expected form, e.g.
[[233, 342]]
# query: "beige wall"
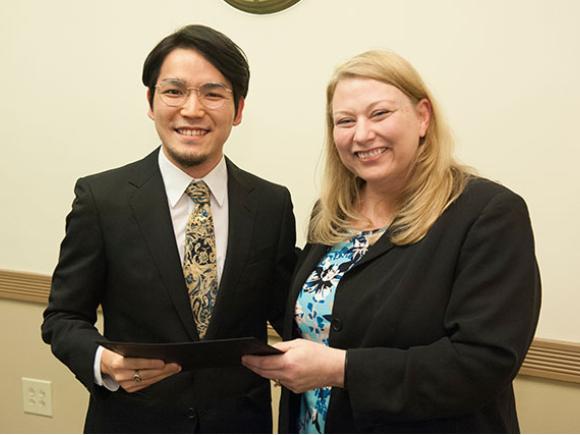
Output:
[[24, 355], [506, 73], [546, 406], [72, 103]]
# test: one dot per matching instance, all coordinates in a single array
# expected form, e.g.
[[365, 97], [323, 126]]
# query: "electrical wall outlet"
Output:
[[37, 396]]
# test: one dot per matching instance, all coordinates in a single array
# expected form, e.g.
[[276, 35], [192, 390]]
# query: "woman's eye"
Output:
[[343, 121], [381, 112]]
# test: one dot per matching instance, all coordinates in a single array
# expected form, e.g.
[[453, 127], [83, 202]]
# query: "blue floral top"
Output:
[[313, 314]]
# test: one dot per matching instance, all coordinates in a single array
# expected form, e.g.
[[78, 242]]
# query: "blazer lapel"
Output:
[[242, 208], [308, 260], [150, 208], [380, 247]]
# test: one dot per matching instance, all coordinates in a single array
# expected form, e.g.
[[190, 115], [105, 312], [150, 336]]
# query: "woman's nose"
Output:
[[363, 131]]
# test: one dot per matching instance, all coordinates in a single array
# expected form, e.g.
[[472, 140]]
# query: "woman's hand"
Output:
[[304, 365], [134, 374]]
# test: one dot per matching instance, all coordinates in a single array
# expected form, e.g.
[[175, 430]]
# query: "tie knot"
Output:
[[198, 192]]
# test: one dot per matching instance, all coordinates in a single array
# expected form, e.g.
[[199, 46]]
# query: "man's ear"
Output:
[[238, 118], [150, 113]]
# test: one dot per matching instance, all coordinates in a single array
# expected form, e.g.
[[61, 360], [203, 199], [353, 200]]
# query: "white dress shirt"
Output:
[[180, 207]]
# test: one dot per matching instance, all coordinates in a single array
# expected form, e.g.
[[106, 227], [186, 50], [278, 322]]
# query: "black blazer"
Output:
[[120, 252], [436, 331]]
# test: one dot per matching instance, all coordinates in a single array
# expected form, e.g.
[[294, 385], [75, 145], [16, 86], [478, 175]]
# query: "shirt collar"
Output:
[[176, 181]]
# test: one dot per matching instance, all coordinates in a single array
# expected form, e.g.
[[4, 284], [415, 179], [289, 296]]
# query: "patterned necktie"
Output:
[[199, 260]]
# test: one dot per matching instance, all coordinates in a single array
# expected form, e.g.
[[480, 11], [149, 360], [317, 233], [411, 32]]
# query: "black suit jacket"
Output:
[[120, 252], [435, 331]]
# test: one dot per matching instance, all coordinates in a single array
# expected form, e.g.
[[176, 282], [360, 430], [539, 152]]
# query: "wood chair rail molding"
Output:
[[548, 359], [24, 286]]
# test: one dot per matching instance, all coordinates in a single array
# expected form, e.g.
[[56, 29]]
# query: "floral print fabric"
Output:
[[199, 263], [313, 315]]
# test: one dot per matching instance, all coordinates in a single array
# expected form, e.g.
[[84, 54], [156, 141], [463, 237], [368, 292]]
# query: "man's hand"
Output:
[[304, 365], [134, 374]]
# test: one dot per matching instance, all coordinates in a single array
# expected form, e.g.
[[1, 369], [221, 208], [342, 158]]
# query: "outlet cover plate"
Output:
[[37, 396]]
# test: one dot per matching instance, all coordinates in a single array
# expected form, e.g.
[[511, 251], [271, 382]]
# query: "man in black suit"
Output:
[[128, 246]]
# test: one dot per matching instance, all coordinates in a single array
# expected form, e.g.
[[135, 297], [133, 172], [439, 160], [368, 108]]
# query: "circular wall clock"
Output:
[[261, 6]]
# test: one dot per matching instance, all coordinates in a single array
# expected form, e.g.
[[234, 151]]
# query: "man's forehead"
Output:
[[191, 67], [176, 81]]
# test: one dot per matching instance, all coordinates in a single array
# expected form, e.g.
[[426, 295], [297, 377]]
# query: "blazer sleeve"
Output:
[[490, 319], [77, 284], [286, 255]]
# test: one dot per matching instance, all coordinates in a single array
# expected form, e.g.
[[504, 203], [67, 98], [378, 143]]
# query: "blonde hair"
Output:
[[435, 181]]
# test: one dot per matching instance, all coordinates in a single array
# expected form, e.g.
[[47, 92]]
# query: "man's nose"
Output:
[[192, 105]]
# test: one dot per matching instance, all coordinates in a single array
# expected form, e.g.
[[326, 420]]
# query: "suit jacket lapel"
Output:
[[242, 208], [380, 247], [150, 208], [309, 259]]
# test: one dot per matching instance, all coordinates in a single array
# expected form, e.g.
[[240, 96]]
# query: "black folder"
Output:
[[197, 354]]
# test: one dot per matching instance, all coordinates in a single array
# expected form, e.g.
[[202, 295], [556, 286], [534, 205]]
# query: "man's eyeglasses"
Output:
[[175, 93]]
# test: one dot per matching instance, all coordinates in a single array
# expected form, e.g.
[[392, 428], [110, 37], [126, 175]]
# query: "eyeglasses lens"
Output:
[[211, 95]]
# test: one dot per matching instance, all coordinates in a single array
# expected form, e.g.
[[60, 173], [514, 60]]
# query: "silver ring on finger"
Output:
[[137, 377]]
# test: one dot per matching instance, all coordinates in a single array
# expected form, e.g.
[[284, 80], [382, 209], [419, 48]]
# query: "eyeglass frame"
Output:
[[197, 90]]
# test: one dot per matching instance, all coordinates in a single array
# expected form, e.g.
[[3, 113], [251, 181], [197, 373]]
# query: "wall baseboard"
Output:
[[548, 359]]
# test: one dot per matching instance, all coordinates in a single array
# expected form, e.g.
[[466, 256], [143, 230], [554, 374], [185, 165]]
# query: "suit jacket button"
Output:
[[336, 324], [191, 414]]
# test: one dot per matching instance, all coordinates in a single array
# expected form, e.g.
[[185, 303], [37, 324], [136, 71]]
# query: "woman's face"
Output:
[[377, 131]]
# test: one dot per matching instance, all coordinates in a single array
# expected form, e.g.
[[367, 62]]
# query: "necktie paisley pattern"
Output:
[[199, 260]]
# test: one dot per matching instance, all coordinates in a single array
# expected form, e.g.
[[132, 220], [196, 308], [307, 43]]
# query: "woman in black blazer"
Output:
[[418, 293]]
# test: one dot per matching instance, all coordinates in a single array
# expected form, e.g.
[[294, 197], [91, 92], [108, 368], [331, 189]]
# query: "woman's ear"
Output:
[[423, 109]]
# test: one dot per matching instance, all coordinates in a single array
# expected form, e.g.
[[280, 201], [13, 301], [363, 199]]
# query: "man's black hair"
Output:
[[214, 46]]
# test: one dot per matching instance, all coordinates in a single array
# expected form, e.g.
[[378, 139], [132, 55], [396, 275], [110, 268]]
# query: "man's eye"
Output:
[[173, 92], [214, 92], [215, 95]]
